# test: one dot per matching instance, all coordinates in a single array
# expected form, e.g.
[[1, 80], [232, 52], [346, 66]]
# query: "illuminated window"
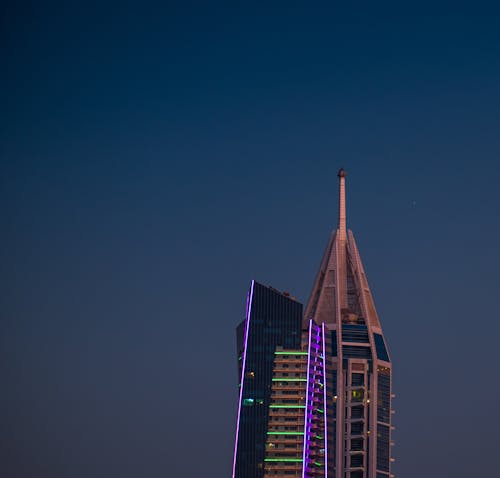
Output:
[[357, 395]]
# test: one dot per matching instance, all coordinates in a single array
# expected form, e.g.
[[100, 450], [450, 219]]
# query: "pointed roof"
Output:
[[341, 291]]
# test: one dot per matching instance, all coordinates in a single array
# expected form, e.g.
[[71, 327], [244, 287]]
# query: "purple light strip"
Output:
[[247, 328], [306, 411], [325, 433]]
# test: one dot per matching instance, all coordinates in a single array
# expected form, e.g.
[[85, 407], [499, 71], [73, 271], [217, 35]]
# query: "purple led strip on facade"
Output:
[[247, 329], [307, 413], [325, 433]]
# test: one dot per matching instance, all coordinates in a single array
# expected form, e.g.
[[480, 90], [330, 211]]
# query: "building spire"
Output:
[[342, 218]]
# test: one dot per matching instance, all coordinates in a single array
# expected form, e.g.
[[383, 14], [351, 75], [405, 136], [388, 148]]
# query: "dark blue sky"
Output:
[[156, 159]]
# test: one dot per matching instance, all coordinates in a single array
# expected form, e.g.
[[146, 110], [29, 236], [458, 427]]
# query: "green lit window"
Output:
[[285, 433], [285, 460]]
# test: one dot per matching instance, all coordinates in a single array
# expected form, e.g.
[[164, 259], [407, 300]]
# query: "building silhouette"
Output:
[[315, 387]]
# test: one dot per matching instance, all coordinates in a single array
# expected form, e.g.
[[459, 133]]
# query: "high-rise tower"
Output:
[[315, 394]]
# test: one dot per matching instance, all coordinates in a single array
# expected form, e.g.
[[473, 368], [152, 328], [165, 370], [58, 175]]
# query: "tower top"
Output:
[[342, 213]]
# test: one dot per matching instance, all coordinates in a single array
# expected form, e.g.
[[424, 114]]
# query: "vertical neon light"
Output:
[[306, 411], [324, 399], [243, 364]]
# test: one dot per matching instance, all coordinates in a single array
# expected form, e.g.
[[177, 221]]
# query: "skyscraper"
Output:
[[315, 389], [273, 320]]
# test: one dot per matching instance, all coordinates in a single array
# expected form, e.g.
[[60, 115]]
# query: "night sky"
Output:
[[156, 159]]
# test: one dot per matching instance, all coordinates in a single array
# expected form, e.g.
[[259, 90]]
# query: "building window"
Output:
[[357, 395], [358, 379]]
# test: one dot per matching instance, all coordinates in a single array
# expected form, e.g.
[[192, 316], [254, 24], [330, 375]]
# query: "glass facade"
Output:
[[384, 395], [273, 320], [355, 333], [380, 347], [352, 351], [383, 448]]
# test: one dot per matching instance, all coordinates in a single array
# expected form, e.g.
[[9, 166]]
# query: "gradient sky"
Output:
[[155, 159]]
